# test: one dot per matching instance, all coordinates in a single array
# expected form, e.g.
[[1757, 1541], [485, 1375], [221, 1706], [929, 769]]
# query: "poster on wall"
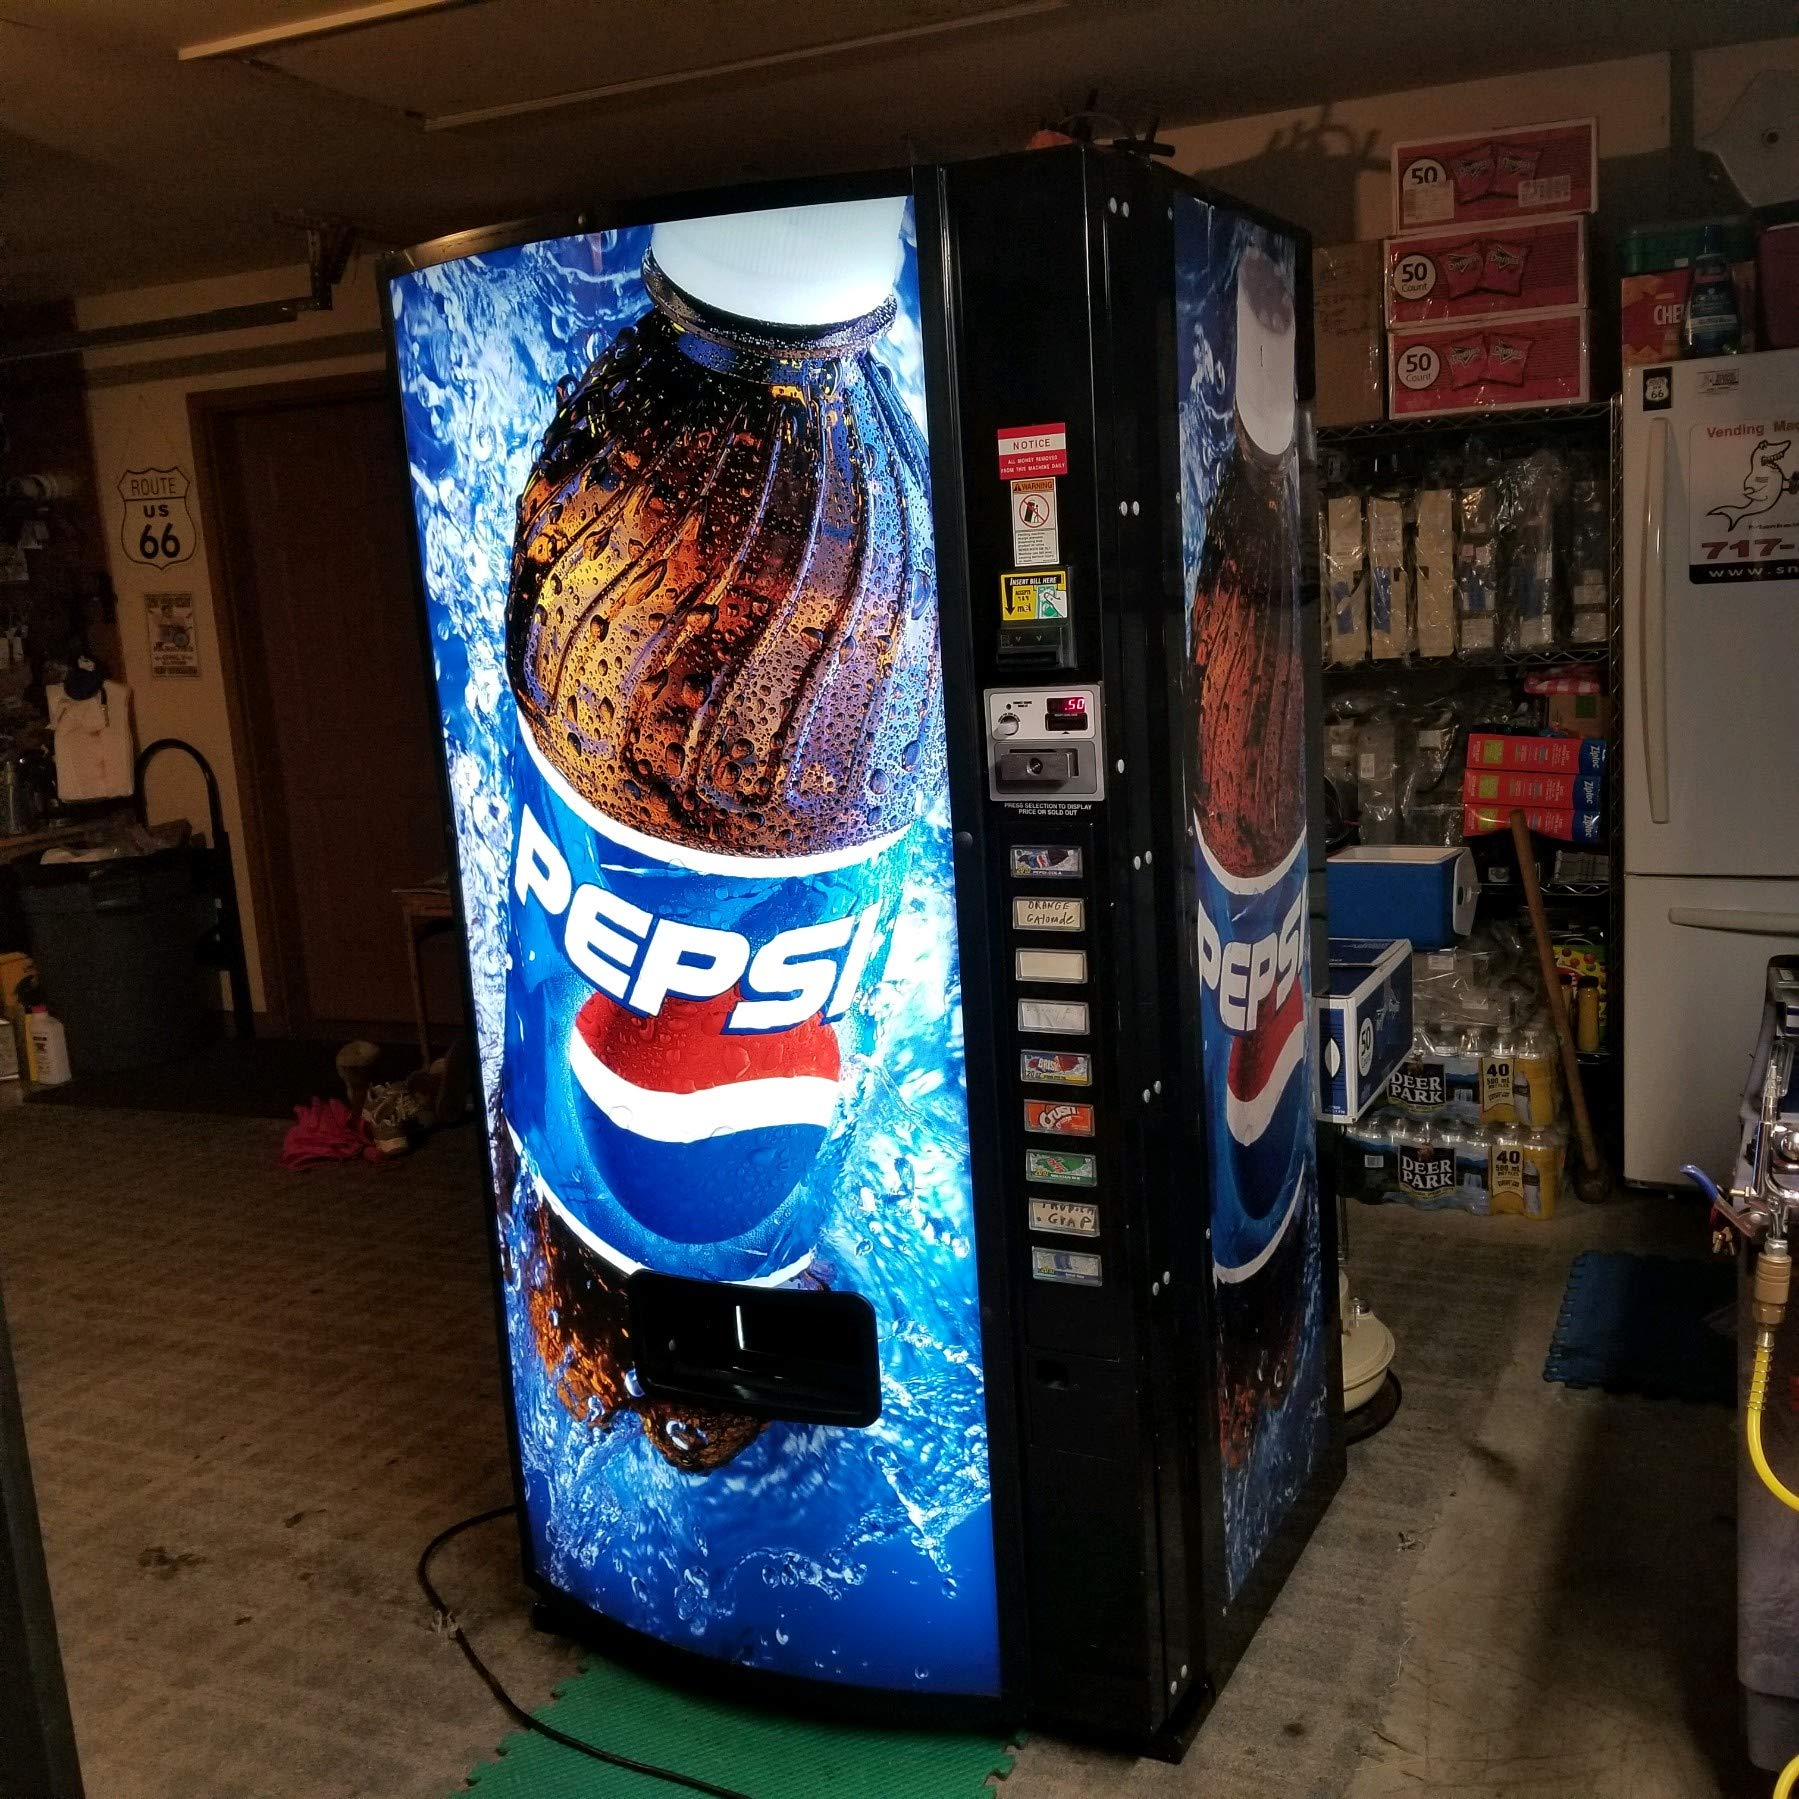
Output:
[[157, 530], [174, 645], [1246, 759], [674, 515]]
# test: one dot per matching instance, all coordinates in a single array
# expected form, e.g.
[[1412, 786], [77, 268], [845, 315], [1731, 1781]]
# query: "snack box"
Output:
[[1348, 334], [1496, 174], [1545, 755], [1513, 787], [1437, 276], [1364, 1023], [1547, 821], [1492, 365]]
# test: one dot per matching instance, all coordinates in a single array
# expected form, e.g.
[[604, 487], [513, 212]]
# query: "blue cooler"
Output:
[[1408, 890]]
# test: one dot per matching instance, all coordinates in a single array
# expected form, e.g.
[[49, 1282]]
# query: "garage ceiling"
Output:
[[121, 165]]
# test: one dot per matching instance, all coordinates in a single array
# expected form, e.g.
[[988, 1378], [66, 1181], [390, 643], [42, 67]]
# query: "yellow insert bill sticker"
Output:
[[1032, 596]]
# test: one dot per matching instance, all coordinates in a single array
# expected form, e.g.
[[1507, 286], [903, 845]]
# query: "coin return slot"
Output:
[[805, 1356], [1020, 768]]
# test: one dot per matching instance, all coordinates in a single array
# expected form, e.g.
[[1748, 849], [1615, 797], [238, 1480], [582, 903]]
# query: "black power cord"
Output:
[[447, 1621]]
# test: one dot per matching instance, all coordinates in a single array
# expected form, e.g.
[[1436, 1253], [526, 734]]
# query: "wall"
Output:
[[137, 403], [1327, 168]]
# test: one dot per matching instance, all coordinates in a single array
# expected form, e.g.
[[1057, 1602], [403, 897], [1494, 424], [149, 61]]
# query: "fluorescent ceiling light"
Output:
[[325, 24], [482, 115]]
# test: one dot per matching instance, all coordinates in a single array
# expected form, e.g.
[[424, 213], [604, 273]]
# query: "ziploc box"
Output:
[[1514, 787], [1425, 892], [1496, 174], [1488, 365], [1561, 823], [1436, 277], [1547, 755], [1364, 1023]]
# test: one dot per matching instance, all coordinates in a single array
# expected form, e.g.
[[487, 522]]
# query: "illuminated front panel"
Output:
[[674, 515]]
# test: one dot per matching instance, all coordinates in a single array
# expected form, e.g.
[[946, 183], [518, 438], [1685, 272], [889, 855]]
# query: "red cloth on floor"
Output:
[[325, 1132]]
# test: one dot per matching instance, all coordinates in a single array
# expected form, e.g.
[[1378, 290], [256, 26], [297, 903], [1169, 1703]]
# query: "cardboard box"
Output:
[[1364, 1023], [1438, 276], [1531, 359], [1581, 714], [1537, 755], [1652, 308], [1347, 329], [1428, 892], [1488, 787], [1508, 172]]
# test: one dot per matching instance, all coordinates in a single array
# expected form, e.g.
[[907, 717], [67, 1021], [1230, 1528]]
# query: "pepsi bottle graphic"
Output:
[[1250, 831], [722, 643]]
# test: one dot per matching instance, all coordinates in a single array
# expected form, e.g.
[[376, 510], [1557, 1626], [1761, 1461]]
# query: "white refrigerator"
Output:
[[1709, 741]]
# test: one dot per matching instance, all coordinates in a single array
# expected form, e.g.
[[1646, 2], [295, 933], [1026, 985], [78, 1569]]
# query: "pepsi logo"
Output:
[[700, 1132]]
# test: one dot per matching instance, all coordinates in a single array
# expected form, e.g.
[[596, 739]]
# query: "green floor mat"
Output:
[[765, 1754]]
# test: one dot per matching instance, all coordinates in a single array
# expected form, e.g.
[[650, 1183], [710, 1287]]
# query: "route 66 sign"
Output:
[[158, 529]]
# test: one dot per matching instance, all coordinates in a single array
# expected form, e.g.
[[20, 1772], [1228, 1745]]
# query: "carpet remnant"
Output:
[[1641, 1324], [763, 1753]]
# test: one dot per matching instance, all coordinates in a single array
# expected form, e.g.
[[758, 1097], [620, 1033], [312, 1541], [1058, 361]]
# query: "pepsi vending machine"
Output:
[[876, 661]]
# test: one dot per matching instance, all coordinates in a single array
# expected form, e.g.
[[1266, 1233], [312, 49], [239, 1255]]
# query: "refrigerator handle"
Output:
[[1652, 623], [1720, 918]]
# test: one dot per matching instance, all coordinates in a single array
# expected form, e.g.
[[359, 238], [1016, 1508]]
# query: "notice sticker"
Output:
[[1026, 450], [1033, 596], [1036, 538]]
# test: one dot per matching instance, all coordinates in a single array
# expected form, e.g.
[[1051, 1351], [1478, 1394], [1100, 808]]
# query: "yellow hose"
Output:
[[1784, 1785], [1758, 1398]]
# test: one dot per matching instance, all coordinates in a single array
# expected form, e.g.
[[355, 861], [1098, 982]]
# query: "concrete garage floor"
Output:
[[253, 1396]]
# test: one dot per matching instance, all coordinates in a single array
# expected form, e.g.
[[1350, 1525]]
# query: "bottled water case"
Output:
[[875, 643]]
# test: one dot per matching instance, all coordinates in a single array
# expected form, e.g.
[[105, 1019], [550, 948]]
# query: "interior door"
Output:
[[1699, 954], [1711, 617], [334, 712]]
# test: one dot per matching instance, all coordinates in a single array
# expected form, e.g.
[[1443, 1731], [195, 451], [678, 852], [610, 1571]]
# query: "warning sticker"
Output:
[[1029, 596], [1035, 537], [1033, 450]]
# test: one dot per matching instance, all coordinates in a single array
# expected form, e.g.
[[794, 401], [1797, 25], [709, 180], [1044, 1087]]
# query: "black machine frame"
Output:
[[1111, 1592]]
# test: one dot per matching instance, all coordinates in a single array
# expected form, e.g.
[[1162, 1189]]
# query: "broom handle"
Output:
[[1564, 1032]]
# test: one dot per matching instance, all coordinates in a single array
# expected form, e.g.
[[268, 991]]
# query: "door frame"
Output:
[[237, 620]]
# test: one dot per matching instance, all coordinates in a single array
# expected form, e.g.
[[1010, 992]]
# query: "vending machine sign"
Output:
[[1743, 516], [1238, 328], [694, 729]]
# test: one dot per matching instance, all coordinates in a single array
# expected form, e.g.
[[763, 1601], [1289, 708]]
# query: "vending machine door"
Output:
[[675, 540]]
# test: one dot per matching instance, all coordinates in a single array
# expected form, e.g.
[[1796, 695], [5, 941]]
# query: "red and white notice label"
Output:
[[1033, 450]]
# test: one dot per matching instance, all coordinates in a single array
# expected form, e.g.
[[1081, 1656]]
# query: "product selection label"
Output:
[[1061, 1168], [1056, 1067], [1065, 1217], [1054, 1017], [1057, 967], [1072, 1267], [1046, 862], [1049, 914], [1058, 1118]]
